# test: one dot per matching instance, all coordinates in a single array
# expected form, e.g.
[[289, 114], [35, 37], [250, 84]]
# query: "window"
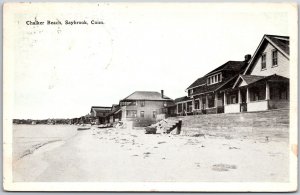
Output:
[[211, 101], [131, 113], [154, 114], [133, 103], [142, 114], [214, 79], [142, 103], [274, 58], [233, 99], [263, 62]]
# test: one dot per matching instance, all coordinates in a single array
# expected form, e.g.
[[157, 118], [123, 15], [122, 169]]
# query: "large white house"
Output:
[[264, 84], [260, 82]]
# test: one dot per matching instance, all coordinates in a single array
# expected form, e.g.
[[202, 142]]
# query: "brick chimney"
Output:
[[247, 57], [162, 93]]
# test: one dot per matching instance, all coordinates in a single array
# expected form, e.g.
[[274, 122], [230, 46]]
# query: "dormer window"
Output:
[[190, 92], [214, 79]]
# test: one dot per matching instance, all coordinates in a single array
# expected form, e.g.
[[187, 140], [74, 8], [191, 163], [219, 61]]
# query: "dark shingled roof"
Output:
[[200, 81], [209, 88], [282, 42], [147, 95], [230, 65], [251, 78], [229, 84], [182, 99], [100, 110], [275, 77], [235, 66]]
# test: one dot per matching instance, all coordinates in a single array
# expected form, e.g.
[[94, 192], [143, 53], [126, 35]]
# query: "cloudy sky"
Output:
[[63, 70]]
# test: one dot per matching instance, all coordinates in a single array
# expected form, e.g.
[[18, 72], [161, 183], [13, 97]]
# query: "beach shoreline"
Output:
[[111, 155]]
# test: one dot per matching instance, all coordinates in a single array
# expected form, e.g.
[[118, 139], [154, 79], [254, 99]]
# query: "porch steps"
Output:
[[272, 122], [168, 125]]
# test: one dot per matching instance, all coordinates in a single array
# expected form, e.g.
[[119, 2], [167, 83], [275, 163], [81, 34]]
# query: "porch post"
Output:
[[267, 91], [225, 99], [193, 104], [177, 108], [206, 101], [186, 107], [200, 102], [248, 95], [216, 99], [240, 97]]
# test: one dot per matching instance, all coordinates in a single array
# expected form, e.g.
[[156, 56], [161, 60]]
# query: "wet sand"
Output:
[[130, 155]]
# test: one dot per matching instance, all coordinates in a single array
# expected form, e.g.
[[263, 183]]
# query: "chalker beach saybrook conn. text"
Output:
[[66, 22]]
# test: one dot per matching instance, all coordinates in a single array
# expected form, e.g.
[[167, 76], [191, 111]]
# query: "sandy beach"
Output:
[[111, 154]]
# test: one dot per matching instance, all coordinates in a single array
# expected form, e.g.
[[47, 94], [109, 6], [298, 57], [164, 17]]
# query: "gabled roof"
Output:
[[147, 95], [182, 99], [281, 43], [248, 79]]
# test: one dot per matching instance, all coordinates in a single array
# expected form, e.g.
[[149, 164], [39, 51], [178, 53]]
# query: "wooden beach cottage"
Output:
[[99, 114]]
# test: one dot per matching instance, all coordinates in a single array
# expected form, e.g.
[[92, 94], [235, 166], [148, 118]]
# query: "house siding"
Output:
[[148, 108], [281, 69]]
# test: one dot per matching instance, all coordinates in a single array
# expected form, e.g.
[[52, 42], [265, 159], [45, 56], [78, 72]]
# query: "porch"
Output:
[[265, 94], [184, 108], [210, 103]]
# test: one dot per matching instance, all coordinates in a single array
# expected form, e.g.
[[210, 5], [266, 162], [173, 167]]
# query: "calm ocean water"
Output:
[[26, 137]]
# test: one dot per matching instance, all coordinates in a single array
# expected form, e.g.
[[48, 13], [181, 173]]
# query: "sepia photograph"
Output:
[[150, 97]]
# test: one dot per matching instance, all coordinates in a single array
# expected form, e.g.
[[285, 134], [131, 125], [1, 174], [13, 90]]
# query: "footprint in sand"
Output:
[[198, 165], [146, 154]]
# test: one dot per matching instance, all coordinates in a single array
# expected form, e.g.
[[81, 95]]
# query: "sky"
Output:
[[60, 71]]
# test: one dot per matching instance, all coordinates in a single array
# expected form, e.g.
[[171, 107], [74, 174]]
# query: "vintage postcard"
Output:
[[150, 96]]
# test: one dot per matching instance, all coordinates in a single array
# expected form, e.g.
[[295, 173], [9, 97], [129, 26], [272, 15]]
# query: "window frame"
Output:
[[274, 51], [263, 61], [213, 79], [142, 114], [131, 116]]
